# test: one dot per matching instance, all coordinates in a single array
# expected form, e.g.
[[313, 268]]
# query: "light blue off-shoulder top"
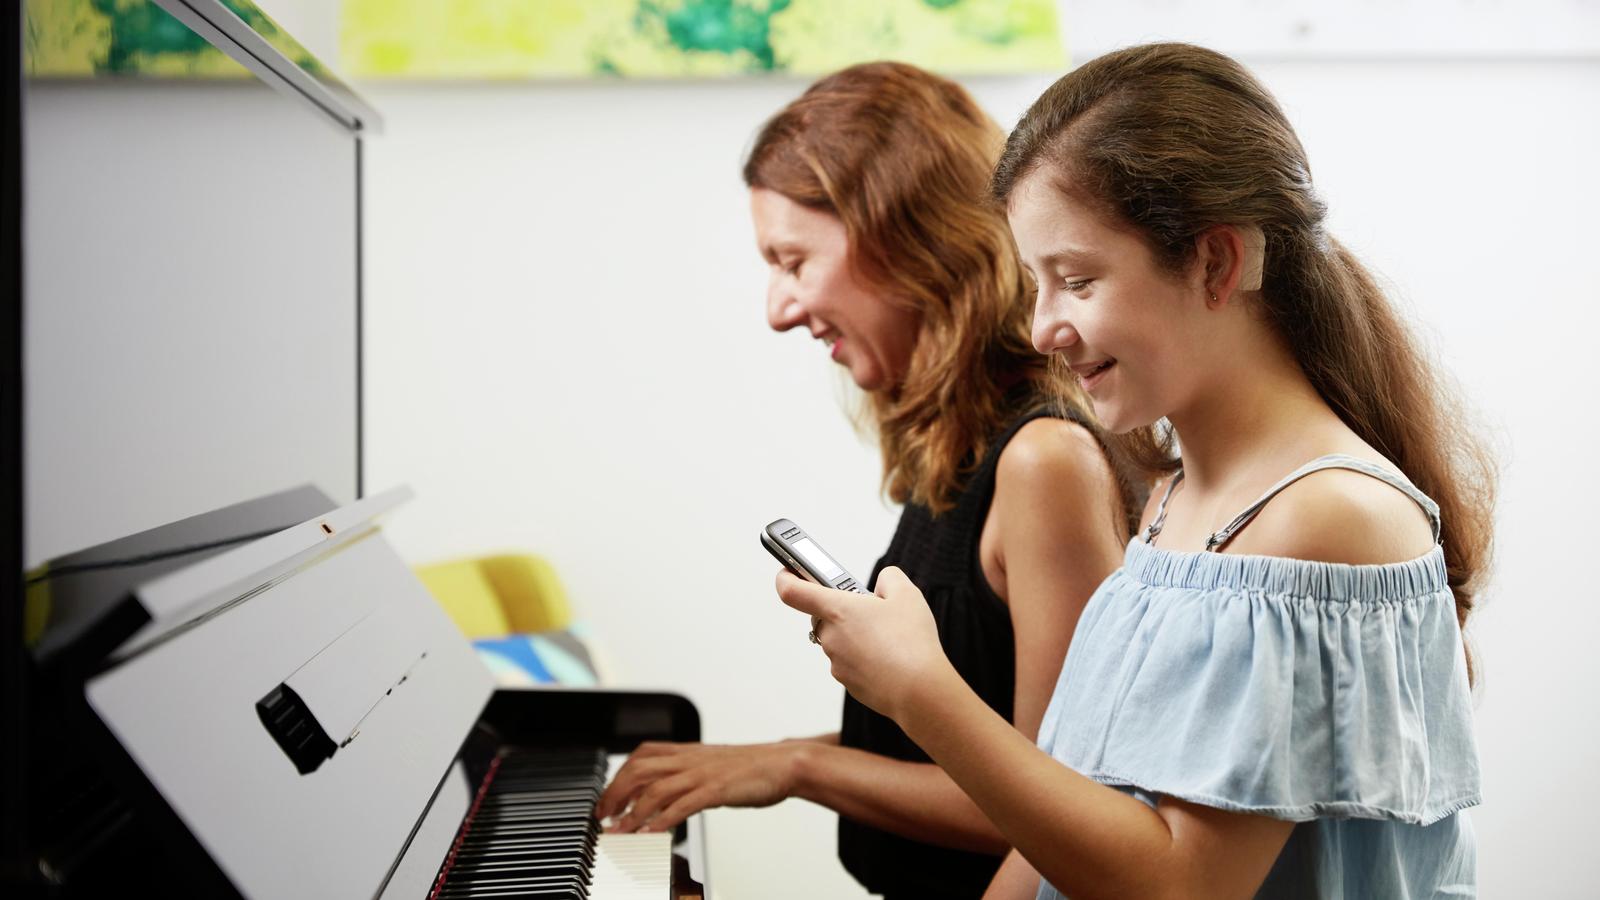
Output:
[[1330, 695]]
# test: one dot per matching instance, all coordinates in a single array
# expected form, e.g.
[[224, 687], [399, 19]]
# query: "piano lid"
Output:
[[81, 606], [180, 598], [301, 713]]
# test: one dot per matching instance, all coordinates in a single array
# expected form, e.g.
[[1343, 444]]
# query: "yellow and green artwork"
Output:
[[519, 39], [101, 38]]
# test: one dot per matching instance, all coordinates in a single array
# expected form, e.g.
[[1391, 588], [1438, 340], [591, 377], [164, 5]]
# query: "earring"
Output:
[[1213, 296]]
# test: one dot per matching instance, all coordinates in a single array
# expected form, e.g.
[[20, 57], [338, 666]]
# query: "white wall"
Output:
[[567, 354]]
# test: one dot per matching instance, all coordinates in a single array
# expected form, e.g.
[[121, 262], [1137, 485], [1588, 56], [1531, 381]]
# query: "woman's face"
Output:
[[813, 284], [1127, 327]]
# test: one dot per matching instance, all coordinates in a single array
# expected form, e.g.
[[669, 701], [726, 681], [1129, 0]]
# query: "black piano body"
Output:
[[263, 701]]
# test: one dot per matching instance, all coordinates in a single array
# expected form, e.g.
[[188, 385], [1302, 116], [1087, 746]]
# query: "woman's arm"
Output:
[[914, 800], [1053, 533], [662, 784], [1016, 880], [1051, 555], [1052, 536]]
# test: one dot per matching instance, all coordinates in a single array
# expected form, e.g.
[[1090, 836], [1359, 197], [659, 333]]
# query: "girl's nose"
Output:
[[1052, 334]]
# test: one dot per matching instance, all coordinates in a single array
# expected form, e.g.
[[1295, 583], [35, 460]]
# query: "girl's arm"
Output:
[[1088, 840]]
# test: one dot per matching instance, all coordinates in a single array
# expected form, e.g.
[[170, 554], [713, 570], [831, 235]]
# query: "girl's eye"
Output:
[[793, 269], [1077, 285]]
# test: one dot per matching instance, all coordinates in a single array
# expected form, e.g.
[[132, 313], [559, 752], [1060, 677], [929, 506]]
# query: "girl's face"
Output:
[[813, 284], [1127, 327]]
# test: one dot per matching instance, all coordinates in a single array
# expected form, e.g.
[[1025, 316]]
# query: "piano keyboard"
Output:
[[531, 832]]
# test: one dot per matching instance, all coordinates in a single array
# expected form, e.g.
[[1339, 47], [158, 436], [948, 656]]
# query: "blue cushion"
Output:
[[551, 657]]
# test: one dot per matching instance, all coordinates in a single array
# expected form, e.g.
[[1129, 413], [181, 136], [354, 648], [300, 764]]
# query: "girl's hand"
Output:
[[885, 651], [663, 783]]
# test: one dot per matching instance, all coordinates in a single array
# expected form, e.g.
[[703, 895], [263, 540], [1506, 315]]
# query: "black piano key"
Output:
[[552, 813], [562, 872], [515, 862], [506, 877], [532, 831], [525, 882], [512, 855], [465, 871], [513, 782], [581, 891], [521, 803], [527, 831], [509, 793], [489, 854], [529, 824], [476, 838], [563, 817], [524, 843], [533, 804], [533, 892], [559, 839]]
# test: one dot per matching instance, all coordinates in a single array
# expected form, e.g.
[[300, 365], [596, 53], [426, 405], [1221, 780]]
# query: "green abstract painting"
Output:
[[515, 39], [98, 38]]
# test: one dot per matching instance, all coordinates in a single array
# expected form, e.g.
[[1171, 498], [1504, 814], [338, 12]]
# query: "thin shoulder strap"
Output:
[[1154, 528], [1333, 461]]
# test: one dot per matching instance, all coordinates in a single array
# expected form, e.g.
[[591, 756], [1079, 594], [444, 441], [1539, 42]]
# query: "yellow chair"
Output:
[[493, 596]]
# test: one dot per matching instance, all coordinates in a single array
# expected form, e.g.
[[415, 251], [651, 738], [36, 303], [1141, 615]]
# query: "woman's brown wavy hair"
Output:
[[1173, 139], [903, 157]]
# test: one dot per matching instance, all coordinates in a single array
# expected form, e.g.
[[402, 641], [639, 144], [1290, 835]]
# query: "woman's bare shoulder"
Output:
[[1052, 456]]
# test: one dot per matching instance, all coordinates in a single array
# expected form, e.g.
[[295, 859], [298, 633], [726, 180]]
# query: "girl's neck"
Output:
[[1254, 422]]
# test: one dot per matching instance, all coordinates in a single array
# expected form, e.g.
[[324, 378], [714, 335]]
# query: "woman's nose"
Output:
[[783, 309]]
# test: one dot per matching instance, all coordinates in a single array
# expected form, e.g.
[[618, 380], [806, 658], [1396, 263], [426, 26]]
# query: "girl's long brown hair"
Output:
[[903, 158], [1175, 139]]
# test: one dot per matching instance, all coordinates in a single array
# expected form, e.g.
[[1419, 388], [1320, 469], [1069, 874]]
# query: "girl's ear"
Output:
[[1255, 256], [1231, 259]]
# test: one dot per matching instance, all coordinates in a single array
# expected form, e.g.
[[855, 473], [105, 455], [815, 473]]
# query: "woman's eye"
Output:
[[792, 269], [1077, 285]]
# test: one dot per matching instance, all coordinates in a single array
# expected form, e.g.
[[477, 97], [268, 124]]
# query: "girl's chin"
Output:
[[1116, 420]]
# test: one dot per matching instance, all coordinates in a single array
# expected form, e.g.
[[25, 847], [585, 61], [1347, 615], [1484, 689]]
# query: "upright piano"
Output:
[[264, 702]]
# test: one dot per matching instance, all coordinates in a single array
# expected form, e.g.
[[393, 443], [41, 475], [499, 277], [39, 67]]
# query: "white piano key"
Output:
[[633, 867]]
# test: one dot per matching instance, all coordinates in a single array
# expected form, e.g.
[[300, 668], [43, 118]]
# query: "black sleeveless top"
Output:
[[940, 555]]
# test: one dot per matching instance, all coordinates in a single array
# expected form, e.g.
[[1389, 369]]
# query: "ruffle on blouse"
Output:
[[1287, 688]]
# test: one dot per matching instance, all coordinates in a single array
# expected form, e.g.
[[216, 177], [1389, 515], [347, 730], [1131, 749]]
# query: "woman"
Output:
[[1271, 696], [869, 200]]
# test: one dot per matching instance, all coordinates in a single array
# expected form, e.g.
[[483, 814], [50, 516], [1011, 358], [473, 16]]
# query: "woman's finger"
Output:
[[653, 798], [634, 775], [807, 597], [618, 793], [891, 579], [682, 808]]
